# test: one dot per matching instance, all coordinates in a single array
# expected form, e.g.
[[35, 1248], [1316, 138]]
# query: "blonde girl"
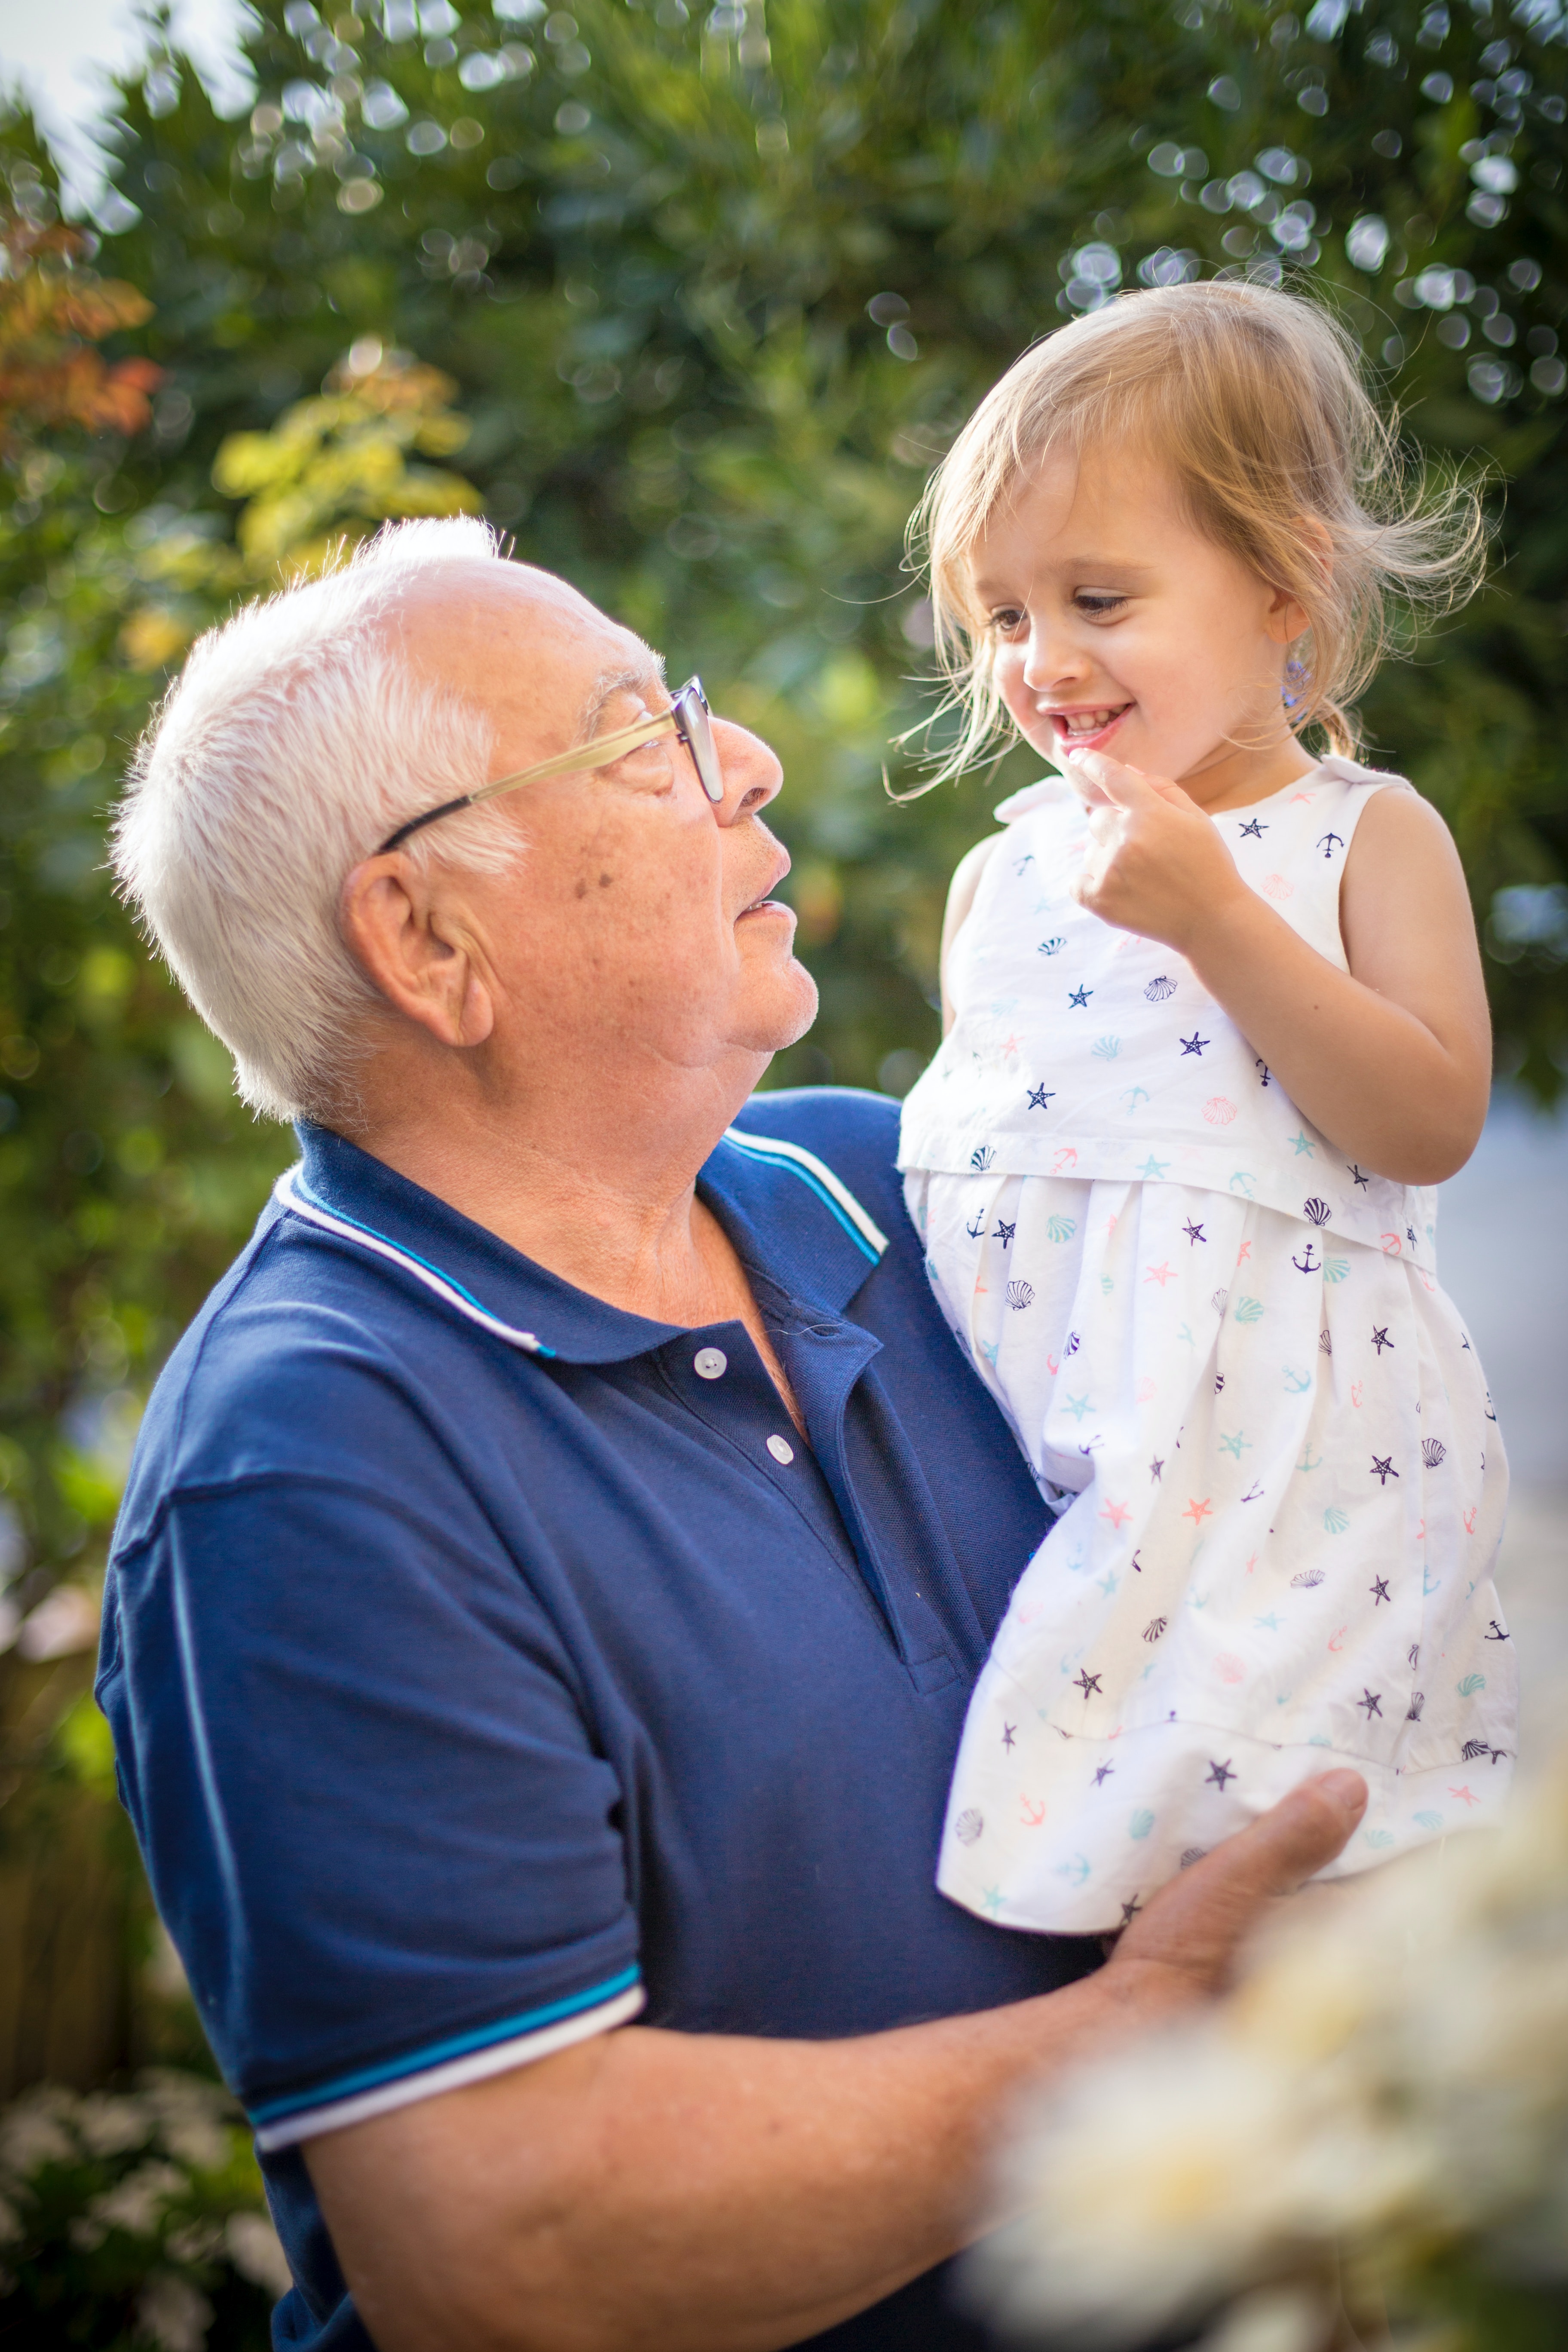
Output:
[[1215, 1027]]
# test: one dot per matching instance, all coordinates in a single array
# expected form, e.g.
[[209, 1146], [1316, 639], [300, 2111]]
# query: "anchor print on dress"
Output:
[[1328, 843]]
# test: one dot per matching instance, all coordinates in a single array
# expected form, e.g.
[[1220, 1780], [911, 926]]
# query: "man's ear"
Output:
[[404, 929]]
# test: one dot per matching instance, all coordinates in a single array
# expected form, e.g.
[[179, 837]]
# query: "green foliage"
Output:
[[714, 291], [134, 2220]]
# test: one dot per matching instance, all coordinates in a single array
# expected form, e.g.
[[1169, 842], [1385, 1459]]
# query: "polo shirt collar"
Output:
[[790, 1219]]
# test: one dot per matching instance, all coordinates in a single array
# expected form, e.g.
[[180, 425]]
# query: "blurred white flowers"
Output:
[[1386, 2088], [155, 2190]]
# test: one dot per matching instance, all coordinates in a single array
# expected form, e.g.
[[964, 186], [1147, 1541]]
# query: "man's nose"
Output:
[[750, 769]]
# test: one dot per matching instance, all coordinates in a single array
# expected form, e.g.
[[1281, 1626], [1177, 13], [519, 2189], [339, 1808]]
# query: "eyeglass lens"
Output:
[[691, 710]]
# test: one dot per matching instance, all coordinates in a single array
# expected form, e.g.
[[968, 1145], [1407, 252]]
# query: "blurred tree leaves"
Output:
[[714, 289]]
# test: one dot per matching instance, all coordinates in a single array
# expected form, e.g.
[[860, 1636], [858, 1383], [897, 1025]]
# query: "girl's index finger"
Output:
[[1128, 787]]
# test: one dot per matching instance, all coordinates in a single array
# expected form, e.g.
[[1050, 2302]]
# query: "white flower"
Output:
[[199, 2142], [195, 2118], [108, 2127], [1392, 2072], [173, 2314], [33, 2131], [256, 2253], [137, 2202], [1280, 2319]]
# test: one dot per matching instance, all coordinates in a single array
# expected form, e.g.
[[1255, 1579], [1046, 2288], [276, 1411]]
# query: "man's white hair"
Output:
[[295, 738]]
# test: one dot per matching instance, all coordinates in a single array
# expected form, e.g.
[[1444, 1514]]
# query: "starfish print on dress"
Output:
[[1086, 1682], [1253, 829], [1378, 1592], [1008, 1729], [1153, 1168], [1161, 1274], [1102, 1773], [1383, 1468], [1195, 1234], [1194, 1044], [1219, 1773], [1198, 1512], [1040, 1096], [1080, 997], [1372, 1701], [1004, 1232], [1380, 1339], [1363, 1181], [1130, 1910], [1154, 1469]]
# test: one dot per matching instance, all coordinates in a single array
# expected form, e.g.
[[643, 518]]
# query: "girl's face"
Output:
[[1117, 625]]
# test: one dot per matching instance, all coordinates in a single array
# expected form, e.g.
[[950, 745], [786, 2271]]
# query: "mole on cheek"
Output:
[[604, 881]]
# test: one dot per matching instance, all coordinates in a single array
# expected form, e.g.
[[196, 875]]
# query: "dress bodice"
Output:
[[1082, 1050]]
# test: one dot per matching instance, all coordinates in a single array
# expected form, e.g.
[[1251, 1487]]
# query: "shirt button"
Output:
[[710, 1363], [781, 1449]]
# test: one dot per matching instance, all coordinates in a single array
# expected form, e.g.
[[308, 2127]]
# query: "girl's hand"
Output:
[[1159, 867]]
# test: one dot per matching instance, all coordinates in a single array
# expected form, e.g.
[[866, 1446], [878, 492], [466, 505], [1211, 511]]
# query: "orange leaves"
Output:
[[53, 311]]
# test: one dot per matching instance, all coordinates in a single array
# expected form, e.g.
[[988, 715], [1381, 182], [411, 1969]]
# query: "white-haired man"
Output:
[[557, 1559]]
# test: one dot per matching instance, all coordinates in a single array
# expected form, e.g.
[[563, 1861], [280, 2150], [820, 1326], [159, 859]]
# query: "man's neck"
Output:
[[607, 1204]]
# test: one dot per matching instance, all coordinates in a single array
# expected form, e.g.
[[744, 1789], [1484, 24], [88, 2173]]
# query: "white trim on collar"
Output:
[[286, 1193]]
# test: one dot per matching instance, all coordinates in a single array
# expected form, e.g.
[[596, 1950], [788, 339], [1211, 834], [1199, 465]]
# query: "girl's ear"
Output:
[[1287, 616]]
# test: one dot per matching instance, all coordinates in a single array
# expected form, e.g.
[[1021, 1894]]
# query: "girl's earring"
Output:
[[1298, 679]]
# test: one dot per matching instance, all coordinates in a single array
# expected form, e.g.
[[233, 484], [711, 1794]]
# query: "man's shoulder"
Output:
[[287, 1365], [853, 1132]]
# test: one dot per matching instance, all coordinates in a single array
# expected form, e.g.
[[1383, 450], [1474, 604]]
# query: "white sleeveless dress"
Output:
[[1222, 1348]]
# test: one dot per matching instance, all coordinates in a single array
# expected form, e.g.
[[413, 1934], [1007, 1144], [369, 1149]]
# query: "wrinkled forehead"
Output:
[[523, 644]]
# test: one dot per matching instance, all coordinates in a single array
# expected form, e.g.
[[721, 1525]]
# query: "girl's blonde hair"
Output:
[[1257, 401]]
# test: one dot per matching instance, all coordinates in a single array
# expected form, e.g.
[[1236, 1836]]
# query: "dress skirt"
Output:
[[1280, 1491]]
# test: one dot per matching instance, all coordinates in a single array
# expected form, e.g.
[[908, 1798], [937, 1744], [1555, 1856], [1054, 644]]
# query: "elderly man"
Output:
[[556, 1561]]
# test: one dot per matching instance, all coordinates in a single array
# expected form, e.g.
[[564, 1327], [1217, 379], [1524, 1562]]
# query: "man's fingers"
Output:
[[1194, 1925], [1296, 1839]]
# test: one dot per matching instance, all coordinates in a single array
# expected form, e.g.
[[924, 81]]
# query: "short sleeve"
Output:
[[372, 1814]]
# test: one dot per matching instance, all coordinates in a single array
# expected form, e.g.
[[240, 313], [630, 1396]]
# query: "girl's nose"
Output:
[[1052, 662]]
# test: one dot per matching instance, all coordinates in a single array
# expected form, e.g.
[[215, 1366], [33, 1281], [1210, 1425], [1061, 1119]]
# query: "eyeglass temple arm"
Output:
[[601, 753]]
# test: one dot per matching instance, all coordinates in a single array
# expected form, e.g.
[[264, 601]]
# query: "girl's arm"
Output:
[[1393, 1059], [960, 899]]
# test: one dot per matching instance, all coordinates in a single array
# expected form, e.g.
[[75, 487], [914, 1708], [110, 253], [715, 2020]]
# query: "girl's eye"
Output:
[[1007, 620], [1096, 606]]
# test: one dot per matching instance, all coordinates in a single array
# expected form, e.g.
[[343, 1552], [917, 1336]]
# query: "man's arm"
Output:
[[650, 2191]]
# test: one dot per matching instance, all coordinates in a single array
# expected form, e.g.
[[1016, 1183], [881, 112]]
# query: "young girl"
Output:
[[1210, 1041]]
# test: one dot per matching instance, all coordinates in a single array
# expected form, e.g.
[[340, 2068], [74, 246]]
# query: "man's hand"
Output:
[[1159, 867], [1182, 1947], [651, 2191]]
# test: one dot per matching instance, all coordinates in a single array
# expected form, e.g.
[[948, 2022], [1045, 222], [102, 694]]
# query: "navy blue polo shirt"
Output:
[[489, 1666]]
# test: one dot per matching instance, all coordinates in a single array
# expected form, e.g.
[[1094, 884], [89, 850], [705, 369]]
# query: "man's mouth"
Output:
[[1086, 727]]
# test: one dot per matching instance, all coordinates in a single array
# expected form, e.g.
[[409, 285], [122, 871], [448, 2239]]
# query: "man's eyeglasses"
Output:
[[688, 716]]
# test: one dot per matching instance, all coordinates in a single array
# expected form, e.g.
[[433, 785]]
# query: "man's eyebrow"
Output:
[[629, 678]]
